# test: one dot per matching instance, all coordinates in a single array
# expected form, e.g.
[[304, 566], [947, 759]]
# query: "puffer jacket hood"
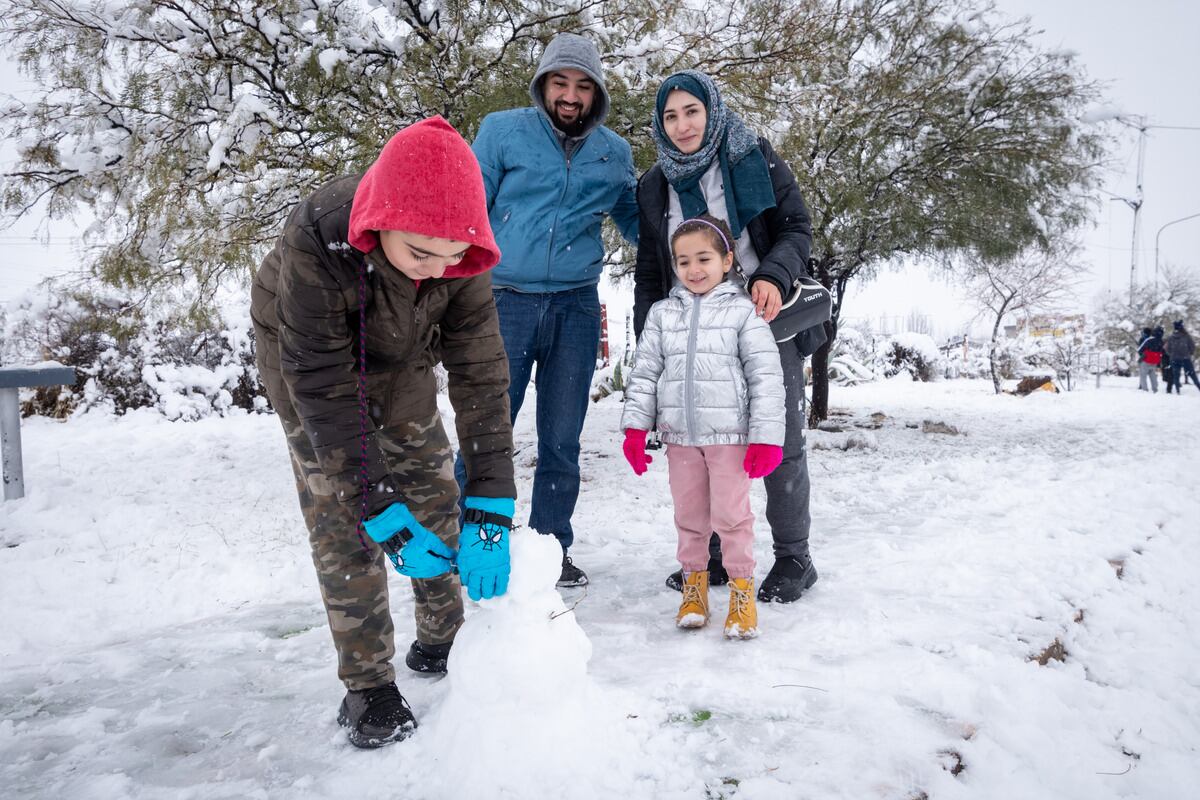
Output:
[[706, 372], [572, 51]]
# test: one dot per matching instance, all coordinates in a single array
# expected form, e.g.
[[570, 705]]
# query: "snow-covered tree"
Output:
[[1176, 295], [1036, 279], [934, 127], [189, 128], [1066, 353]]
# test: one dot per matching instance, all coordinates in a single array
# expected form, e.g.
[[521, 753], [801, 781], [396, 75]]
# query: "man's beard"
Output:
[[569, 128]]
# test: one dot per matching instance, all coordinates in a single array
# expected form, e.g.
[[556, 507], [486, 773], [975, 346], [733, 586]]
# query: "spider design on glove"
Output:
[[490, 536], [397, 560]]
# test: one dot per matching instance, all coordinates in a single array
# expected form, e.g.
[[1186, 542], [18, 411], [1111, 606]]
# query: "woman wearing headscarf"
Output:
[[709, 161]]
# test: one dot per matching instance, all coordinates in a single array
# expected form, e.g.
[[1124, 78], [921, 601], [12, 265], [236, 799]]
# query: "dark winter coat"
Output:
[[304, 304], [1151, 344], [1180, 345], [782, 237]]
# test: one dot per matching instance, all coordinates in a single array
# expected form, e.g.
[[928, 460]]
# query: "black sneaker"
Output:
[[571, 574], [717, 576], [428, 658], [787, 580], [375, 717]]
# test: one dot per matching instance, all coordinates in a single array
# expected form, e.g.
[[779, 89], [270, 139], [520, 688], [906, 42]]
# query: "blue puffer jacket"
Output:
[[546, 210]]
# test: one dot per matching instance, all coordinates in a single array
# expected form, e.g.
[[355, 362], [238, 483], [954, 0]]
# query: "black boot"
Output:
[[571, 575], [717, 576], [375, 717], [430, 658], [787, 580]]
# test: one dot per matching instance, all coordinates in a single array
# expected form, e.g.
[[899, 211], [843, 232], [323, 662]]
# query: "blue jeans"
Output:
[[560, 333], [1182, 370]]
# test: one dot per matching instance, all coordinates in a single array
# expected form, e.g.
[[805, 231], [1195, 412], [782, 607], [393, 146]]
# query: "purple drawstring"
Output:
[[364, 477]]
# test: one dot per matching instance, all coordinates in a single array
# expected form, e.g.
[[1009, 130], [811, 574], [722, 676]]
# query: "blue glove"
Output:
[[483, 557], [415, 551]]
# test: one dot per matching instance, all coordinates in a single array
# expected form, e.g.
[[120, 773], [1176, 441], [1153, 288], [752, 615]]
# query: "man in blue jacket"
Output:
[[552, 171]]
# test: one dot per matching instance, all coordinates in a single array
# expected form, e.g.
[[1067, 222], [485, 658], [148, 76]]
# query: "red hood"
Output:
[[427, 181]]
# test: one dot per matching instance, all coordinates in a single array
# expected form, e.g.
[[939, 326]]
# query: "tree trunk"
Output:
[[818, 409], [992, 352]]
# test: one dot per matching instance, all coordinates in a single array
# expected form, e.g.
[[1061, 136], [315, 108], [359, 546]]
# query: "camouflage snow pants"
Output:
[[354, 582]]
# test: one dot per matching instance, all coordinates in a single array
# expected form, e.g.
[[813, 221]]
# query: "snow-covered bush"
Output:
[[961, 359], [1017, 356], [611, 379], [854, 343], [914, 353], [975, 364], [127, 356], [1068, 355]]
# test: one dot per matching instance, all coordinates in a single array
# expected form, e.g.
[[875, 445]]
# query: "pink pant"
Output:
[[712, 493]]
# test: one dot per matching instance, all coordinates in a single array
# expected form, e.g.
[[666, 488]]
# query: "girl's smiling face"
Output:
[[698, 263]]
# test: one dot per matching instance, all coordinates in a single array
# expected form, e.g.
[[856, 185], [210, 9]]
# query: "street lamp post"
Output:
[[1136, 205], [1160, 230], [1138, 123]]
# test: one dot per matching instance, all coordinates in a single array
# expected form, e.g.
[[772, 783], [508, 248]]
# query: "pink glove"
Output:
[[635, 450], [761, 459]]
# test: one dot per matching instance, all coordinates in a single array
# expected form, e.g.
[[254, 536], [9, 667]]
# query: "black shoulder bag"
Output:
[[803, 315]]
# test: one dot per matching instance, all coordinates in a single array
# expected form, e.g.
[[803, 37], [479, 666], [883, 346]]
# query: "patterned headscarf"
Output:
[[748, 189]]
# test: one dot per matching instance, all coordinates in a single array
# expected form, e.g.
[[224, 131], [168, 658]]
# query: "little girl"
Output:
[[707, 373]]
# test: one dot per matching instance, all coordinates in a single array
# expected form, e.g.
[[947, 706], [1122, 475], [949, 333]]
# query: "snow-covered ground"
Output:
[[162, 635]]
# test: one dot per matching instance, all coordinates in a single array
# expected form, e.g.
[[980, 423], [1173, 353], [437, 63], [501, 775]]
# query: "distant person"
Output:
[[1180, 347], [710, 161], [376, 278], [707, 376], [552, 172], [1150, 357], [1167, 372]]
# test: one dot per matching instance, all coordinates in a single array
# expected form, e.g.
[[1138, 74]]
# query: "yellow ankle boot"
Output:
[[693, 610], [742, 622]]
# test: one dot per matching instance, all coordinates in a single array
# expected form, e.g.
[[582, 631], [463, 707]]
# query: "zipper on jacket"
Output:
[[689, 388], [562, 196]]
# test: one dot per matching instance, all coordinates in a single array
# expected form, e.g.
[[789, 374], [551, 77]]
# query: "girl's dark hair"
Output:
[[718, 232]]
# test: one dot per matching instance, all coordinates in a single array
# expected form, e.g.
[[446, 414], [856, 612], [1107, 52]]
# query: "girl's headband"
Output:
[[720, 232]]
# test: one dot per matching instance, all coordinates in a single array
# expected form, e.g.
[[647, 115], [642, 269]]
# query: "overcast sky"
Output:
[[1148, 55]]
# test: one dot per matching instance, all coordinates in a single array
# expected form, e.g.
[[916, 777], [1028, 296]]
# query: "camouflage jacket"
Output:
[[305, 308]]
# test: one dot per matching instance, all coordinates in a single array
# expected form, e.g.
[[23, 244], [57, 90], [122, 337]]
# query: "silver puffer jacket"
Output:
[[707, 372]]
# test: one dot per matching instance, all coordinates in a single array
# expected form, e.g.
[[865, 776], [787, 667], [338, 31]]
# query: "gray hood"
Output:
[[572, 51]]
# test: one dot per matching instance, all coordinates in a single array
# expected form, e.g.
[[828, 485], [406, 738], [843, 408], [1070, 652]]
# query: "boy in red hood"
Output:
[[376, 278]]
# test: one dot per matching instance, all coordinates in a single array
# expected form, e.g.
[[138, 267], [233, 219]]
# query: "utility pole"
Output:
[[1138, 123]]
